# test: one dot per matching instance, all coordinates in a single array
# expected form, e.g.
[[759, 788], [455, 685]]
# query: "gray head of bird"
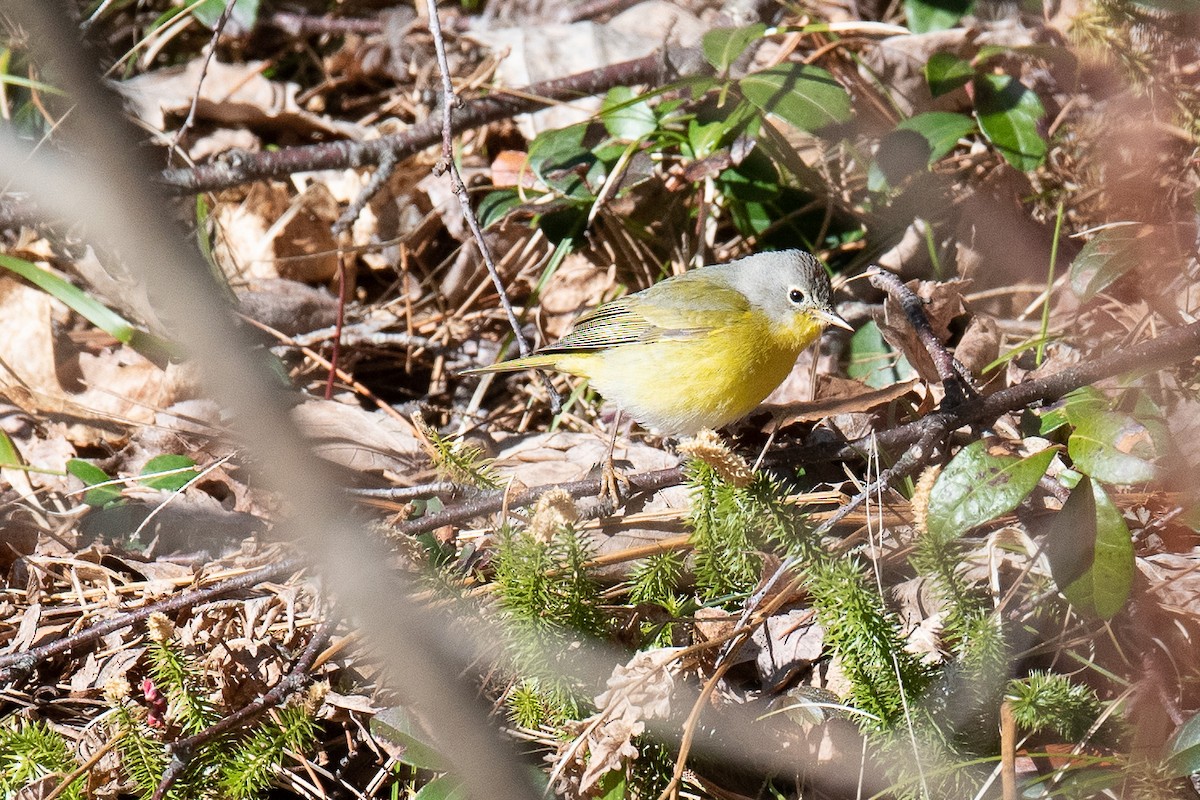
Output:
[[787, 284]]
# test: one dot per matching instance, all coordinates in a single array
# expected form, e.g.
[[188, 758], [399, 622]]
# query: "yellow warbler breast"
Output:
[[679, 386]]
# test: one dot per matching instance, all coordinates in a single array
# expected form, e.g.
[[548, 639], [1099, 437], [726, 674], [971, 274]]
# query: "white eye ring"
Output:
[[798, 296]]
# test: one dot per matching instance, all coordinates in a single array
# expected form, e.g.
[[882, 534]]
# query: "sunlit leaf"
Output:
[[945, 72], [91, 475], [805, 96], [1008, 114], [443, 787], [1090, 551], [168, 463], [625, 116], [976, 487], [1113, 447], [935, 15], [722, 46]]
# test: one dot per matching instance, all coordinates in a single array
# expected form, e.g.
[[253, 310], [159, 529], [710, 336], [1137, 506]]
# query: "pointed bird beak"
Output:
[[831, 318]]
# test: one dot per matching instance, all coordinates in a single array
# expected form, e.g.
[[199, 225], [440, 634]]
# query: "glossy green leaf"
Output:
[[443, 787], [91, 475], [394, 725], [805, 96], [1008, 114], [496, 205], [1184, 748], [1091, 552], [1109, 255], [626, 116], [976, 487], [941, 129], [1072, 408], [722, 46], [169, 463], [1114, 448], [945, 72], [935, 15]]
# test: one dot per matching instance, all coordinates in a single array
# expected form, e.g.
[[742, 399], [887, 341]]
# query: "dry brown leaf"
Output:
[[942, 303], [546, 458], [230, 94], [360, 440], [576, 286], [837, 396]]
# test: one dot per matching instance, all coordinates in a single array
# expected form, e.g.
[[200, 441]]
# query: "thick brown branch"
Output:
[[238, 168]]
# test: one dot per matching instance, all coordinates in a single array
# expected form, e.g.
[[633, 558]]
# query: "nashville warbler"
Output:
[[701, 349]]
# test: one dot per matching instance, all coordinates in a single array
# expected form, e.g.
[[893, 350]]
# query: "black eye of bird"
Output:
[[796, 295]]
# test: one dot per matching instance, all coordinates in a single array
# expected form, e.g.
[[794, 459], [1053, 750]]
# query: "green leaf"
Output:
[[925, 16], [1073, 407], [394, 725], [942, 129], [496, 205], [945, 72], [1109, 255], [1113, 447], [1008, 114], [916, 144], [872, 361], [91, 475], [1184, 748], [243, 16], [1090, 551], [9, 455], [558, 157], [805, 96], [443, 787], [626, 116], [90, 309], [167, 463], [722, 46], [976, 487]]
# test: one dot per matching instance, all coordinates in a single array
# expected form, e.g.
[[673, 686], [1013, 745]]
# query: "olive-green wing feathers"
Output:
[[682, 307]]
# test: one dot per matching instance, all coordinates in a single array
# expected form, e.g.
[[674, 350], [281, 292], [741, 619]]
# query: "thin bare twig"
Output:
[[13, 667], [446, 164], [955, 379], [210, 51]]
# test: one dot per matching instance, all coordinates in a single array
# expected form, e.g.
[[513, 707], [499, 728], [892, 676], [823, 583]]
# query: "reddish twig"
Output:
[[296, 679], [13, 667]]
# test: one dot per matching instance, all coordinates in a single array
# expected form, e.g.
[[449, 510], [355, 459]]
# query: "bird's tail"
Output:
[[535, 361]]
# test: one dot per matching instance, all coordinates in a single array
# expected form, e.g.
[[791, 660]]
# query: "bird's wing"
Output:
[[679, 308]]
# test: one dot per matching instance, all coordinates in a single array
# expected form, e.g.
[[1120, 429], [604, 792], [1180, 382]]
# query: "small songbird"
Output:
[[701, 349]]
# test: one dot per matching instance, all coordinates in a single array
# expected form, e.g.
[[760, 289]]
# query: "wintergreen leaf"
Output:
[[1109, 255], [935, 15], [722, 46], [942, 129], [945, 72], [496, 205], [1113, 447], [91, 475], [1184, 748], [976, 487], [805, 96], [627, 117], [393, 724], [1008, 114], [1073, 407], [443, 787], [1090, 551], [168, 463]]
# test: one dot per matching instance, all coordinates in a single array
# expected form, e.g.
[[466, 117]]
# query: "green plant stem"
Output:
[[1041, 348]]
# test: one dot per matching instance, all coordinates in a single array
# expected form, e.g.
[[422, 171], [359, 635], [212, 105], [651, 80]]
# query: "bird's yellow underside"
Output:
[[696, 382]]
